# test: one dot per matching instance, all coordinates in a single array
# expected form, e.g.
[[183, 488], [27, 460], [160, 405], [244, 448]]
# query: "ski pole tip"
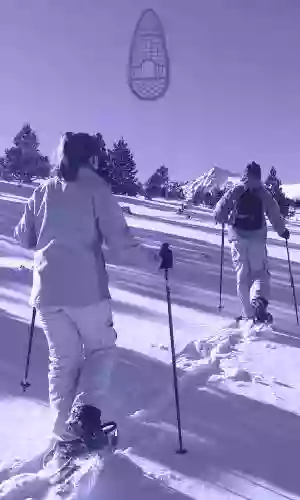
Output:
[[25, 385], [181, 451]]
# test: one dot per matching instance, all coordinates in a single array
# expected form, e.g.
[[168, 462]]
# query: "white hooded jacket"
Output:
[[66, 224]]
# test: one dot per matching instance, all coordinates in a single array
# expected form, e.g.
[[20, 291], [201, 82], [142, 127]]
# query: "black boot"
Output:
[[85, 423], [261, 314]]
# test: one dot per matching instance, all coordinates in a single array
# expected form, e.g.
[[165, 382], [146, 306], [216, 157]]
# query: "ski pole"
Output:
[[292, 280], [221, 267], [166, 264], [25, 384]]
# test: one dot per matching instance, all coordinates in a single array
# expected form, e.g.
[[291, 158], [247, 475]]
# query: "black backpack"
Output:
[[249, 212]]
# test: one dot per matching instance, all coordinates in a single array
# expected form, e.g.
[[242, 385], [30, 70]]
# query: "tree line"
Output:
[[24, 162]]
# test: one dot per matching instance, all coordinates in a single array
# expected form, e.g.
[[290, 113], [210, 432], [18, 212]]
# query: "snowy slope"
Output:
[[292, 191], [216, 422], [215, 178]]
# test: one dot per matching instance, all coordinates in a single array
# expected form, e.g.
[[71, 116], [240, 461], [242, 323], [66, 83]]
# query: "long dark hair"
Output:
[[75, 150]]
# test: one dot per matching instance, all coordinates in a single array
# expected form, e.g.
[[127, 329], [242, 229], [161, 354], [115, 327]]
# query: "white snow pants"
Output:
[[81, 356], [250, 260]]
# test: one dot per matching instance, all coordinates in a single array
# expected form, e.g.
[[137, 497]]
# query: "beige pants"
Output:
[[250, 260], [81, 355]]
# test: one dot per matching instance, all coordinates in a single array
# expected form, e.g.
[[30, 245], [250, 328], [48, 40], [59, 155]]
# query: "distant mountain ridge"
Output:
[[214, 179]]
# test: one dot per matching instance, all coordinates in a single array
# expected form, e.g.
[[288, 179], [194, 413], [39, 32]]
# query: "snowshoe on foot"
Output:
[[85, 423], [63, 452], [244, 320]]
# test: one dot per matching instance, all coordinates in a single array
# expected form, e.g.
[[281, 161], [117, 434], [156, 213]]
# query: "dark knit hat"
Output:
[[253, 170], [80, 146], [77, 149]]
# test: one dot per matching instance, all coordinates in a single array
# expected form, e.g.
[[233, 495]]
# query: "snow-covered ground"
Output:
[[242, 433], [292, 191]]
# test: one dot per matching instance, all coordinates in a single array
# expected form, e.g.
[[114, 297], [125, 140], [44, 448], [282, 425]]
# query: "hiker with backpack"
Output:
[[244, 208]]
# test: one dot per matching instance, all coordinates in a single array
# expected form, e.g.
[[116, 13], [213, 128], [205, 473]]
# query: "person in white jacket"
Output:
[[66, 221]]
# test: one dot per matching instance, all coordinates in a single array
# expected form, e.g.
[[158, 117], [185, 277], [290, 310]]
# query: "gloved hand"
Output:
[[166, 256], [285, 234]]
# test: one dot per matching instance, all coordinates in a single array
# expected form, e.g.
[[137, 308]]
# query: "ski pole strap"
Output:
[[109, 427], [166, 256]]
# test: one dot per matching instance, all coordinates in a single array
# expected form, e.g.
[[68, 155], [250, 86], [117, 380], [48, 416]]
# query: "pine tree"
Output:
[[175, 191], [2, 167], [157, 184], [23, 161], [124, 171], [105, 166], [274, 186]]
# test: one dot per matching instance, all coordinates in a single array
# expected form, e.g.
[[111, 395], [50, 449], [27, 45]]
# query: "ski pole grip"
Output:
[[166, 256]]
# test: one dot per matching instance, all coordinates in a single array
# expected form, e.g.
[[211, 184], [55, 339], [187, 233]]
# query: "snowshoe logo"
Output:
[[148, 69]]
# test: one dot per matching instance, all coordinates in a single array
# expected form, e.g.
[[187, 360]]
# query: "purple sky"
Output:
[[235, 82]]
